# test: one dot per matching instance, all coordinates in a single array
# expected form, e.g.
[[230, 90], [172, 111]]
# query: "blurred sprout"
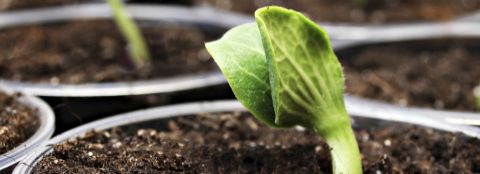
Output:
[[360, 3], [476, 93], [136, 43]]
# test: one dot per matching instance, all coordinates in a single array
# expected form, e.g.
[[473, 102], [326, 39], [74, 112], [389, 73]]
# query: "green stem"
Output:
[[476, 93], [360, 3], [137, 47], [343, 145]]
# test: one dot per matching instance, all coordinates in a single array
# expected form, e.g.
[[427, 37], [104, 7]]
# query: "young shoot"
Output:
[[360, 3], [476, 93], [136, 43], [284, 71]]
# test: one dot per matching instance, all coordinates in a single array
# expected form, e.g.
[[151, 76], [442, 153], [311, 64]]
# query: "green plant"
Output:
[[137, 47], [360, 3], [476, 93], [284, 71]]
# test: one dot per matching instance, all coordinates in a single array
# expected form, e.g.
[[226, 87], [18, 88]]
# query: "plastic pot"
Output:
[[77, 104], [417, 32], [347, 32], [39, 138], [161, 113]]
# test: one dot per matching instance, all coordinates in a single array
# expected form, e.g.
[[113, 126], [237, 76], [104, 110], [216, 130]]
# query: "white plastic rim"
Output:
[[218, 106], [395, 32], [203, 16], [38, 139]]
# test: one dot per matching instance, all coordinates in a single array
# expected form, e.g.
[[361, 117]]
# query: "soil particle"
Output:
[[237, 143], [94, 51], [17, 122], [439, 74], [360, 11]]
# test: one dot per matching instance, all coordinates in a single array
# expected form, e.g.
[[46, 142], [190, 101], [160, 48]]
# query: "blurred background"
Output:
[[408, 53]]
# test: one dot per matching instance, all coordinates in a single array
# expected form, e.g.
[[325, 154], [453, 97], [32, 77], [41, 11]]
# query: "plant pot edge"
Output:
[[39, 138], [199, 107]]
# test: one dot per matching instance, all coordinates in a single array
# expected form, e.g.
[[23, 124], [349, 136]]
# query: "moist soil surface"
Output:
[[439, 73], [360, 11], [237, 143], [17, 122], [94, 51]]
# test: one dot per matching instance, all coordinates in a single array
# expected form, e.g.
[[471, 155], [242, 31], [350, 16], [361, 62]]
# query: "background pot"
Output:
[[416, 32], [39, 138], [349, 12], [215, 20], [77, 104], [160, 113]]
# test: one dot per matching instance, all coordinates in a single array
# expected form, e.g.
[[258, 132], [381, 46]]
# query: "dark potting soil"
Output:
[[439, 73], [26, 4], [17, 122], [95, 51], [237, 143], [371, 11]]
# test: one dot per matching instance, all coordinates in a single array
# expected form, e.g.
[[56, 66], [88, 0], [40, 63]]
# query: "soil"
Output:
[[8, 170], [237, 143], [94, 51], [17, 122], [438, 73], [25, 4], [370, 11]]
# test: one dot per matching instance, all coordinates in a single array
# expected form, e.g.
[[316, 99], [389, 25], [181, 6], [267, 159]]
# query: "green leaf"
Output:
[[285, 72], [240, 56], [307, 82], [305, 75]]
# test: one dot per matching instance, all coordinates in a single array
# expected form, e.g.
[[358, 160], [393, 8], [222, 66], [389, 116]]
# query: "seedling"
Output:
[[137, 47], [283, 70], [360, 3], [476, 93]]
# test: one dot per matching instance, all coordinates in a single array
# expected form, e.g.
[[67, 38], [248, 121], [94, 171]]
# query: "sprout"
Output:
[[284, 71], [137, 47], [360, 3], [476, 93]]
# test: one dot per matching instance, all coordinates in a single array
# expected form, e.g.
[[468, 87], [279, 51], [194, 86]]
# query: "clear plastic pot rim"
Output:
[[223, 106], [38, 139]]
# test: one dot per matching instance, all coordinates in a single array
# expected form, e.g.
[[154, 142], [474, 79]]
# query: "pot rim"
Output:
[[164, 112], [197, 15], [399, 32], [39, 138]]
